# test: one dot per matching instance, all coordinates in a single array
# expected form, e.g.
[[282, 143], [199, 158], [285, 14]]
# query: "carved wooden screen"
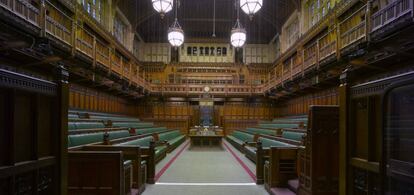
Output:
[[32, 142]]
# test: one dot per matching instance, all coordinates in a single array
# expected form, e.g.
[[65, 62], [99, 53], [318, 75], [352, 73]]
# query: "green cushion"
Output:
[[145, 142], [160, 150], [266, 143], [71, 126], [88, 138], [118, 134], [88, 125], [261, 131], [151, 130], [292, 135], [235, 139], [243, 136], [278, 126], [135, 125], [73, 116], [169, 135], [176, 140]]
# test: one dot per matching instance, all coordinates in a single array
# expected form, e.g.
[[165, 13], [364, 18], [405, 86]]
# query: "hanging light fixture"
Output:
[[175, 32], [238, 33], [250, 7], [163, 6]]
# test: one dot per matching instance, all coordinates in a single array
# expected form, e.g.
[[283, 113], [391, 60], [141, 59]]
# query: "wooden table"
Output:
[[206, 140]]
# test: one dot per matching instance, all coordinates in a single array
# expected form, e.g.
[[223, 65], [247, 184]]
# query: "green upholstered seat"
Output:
[[114, 118], [145, 142], [85, 125], [173, 138], [89, 138], [151, 130], [118, 134], [135, 125], [244, 137], [278, 126], [261, 131], [292, 135], [71, 126], [73, 116], [238, 141], [267, 143], [83, 139]]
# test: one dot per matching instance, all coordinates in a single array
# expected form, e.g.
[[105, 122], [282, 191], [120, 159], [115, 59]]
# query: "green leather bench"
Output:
[[85, 125], [151, 130], [250, 151], [293, 135], [114, 118], [173, 138], [160, 151], [238, 138], [261, 131], [135, 125], [73, 116], [90, 138], [278, 126]]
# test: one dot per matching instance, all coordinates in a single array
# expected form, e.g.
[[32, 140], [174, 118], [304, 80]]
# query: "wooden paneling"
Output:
[[300, 105], [84, 98]]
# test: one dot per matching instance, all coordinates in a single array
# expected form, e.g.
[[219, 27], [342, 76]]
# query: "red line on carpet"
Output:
[[166, 166], [249, 172]]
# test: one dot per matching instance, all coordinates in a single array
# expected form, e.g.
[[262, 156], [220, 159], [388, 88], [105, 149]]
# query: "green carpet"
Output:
[[212, 171]]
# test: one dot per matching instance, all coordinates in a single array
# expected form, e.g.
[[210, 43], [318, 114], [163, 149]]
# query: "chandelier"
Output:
[[163, 6], [175, 32], [238, 35], [250, 7]]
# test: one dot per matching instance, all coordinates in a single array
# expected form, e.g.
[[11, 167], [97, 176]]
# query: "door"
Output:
[[398, 166]]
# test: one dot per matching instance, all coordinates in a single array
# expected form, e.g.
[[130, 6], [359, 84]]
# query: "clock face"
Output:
[[206, 88]]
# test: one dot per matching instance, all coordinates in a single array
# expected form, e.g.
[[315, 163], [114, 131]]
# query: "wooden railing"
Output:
[[214, 89], [353, 28], [310, 56], [22, 9], [327, 44], [391, 12], [349, 31]]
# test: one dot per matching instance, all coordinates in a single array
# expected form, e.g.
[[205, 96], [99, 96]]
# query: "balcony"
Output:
[[217, 90], [392, 17]]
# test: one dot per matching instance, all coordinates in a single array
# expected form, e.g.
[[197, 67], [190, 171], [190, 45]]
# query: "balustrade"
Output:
[[310, 55], [103, 53], [327, 44], [23, 9], [297, 65], [352, 29], [58, 24], [391, 12]]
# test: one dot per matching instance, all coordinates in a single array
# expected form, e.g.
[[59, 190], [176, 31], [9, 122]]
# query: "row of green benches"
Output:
[[80, 125], [256, 142], [88, 138], [73, 114]]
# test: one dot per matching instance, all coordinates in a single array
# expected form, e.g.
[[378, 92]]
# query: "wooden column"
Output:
[[343, 129], [62, 77]]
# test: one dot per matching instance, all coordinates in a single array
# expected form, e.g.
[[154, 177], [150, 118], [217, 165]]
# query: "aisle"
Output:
[[198, 171]]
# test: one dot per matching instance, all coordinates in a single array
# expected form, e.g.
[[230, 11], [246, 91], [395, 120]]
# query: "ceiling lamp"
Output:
[[250, 7], [238, 35], [175, 32], [162, 6]]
